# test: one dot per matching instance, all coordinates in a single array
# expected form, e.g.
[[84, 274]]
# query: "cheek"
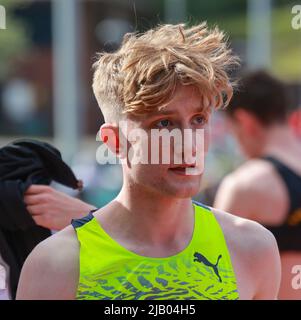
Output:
[[207, 138]]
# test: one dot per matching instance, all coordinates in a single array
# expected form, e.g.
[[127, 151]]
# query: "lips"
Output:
[[181, 169]]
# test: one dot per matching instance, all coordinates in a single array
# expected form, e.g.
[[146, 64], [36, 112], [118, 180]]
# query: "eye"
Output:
[[165, 123], [199, 120]]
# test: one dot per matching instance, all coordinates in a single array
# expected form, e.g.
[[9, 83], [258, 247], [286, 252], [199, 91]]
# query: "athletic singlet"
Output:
[[288, 234], [202, 271]]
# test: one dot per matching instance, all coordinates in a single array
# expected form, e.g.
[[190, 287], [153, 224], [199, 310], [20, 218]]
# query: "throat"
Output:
[[169, 228]]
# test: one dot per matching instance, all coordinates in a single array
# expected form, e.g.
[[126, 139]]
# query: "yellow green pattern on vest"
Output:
[[202, 271]]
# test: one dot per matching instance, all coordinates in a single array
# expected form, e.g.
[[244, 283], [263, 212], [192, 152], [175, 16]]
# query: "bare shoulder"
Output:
[[254, 252], [242, 190], [236, 229], [249, 173], [51, 271]]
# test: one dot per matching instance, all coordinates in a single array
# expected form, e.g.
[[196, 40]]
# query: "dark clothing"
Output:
[[288, 234], [22, 163]]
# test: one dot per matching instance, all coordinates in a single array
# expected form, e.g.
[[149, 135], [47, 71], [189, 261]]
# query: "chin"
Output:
[[183, 190]]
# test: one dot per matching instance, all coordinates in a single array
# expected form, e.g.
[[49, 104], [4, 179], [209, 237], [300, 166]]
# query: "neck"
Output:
[[278, 139], [158, 219]]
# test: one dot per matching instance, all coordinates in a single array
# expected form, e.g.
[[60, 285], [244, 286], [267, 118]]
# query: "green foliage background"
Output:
[[229, 15]]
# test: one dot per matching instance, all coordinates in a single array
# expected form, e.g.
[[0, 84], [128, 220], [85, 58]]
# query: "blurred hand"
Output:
[[53, 209]]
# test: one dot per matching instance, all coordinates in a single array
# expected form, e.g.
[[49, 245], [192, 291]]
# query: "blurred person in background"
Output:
[[152, 241], [267, 187]]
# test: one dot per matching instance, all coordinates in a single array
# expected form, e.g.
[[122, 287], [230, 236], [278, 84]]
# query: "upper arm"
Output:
[[260, 258], [51, 271], [267, 268]]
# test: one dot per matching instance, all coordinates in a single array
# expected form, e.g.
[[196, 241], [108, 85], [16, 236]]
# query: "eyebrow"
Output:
[[199, 109]]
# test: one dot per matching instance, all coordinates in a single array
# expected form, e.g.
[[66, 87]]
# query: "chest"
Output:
[[189, 276]]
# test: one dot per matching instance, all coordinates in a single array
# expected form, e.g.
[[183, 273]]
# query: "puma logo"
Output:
[[200, 258]]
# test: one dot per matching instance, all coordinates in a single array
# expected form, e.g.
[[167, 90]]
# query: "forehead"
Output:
[[186, 99]]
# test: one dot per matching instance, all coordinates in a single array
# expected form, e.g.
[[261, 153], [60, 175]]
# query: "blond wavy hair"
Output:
[[144, 72]]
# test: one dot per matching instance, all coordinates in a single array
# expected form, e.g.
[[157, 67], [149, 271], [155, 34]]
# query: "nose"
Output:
[[189, 146], [194, 151]]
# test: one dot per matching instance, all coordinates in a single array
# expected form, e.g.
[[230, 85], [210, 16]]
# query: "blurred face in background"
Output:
[[185, 111], [249, 132]]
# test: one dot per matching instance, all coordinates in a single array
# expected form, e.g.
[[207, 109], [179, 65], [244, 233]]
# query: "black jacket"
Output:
[[22, 163]]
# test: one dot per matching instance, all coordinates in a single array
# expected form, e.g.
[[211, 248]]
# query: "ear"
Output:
[[109, 134], [247, 121]]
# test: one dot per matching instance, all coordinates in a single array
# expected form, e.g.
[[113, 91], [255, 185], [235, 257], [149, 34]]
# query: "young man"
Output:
[[267, 188], [152, 242]]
